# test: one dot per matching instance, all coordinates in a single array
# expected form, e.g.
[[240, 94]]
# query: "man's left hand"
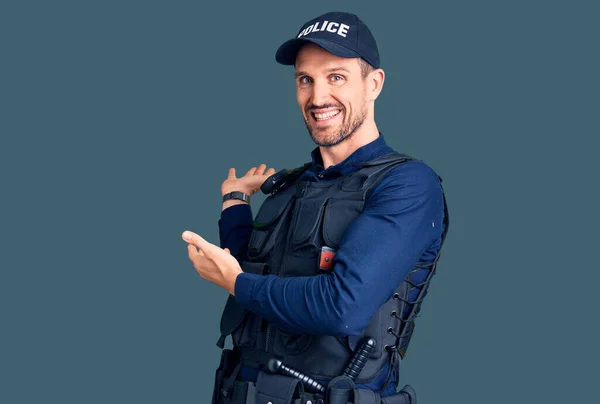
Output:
[[213, 263]]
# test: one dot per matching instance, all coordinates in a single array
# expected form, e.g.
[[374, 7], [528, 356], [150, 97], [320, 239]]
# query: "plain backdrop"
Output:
[[120, 119]]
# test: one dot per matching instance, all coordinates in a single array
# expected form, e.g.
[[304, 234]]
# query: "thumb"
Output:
[[196, 240], [231, 174], [227, 250]]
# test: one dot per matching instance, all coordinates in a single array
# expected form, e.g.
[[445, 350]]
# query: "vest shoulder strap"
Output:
[[370, 173], [391, 157]]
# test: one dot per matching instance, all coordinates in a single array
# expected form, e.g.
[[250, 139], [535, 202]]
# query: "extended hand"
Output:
[[213, 263], [250, 183]]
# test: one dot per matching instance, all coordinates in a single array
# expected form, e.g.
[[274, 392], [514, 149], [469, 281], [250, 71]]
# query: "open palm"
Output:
[[249, 183]]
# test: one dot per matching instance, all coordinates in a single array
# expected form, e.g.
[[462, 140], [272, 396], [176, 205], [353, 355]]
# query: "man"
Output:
[[340, 254]]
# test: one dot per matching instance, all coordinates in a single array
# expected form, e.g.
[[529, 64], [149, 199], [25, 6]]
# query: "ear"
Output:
[[375, 83]]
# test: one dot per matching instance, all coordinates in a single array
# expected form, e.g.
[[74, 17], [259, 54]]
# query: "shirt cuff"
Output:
[[244, 287], [238, 214], [232, 218]]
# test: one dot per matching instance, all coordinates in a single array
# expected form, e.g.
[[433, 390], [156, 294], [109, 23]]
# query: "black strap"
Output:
[[340, 390], [236, 195]]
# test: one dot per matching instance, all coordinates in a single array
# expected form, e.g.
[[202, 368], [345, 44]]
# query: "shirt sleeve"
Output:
[[401, 221], [235, 229]]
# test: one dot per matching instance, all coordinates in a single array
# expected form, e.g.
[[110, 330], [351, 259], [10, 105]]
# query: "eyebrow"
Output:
[[331, 70]]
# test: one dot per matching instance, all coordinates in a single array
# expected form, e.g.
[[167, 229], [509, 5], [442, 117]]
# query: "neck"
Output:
[[367, 133]]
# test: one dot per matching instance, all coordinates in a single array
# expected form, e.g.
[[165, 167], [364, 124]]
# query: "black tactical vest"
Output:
[[292, 231]]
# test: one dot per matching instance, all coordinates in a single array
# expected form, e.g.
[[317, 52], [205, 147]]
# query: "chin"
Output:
[[328, 138]]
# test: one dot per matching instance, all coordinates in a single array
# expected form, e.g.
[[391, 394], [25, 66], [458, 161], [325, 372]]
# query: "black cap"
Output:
[[342, 34]]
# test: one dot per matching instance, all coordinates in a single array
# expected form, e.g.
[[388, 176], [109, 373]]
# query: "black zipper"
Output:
[[268, 339]]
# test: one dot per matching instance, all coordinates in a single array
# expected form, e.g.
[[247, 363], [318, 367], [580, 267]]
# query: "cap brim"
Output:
[[286, 54]]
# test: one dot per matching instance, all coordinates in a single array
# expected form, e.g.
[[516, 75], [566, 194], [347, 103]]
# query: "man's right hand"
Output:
[[249, 184]]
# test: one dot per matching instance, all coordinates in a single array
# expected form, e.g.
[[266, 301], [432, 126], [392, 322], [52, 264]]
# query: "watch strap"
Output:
[[236, 195]]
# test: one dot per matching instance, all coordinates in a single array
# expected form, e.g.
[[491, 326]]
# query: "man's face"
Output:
[[331, 93]]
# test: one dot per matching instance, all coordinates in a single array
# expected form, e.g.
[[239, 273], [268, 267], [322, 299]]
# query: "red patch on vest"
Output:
[[326, 259]]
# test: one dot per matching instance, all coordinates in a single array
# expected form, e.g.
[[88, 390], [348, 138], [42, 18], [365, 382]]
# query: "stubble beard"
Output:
[[348, 128]]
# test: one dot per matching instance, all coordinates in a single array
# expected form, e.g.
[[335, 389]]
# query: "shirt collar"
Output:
[[367, 152]]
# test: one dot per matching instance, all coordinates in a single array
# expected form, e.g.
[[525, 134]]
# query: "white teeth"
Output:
[[326, 115]]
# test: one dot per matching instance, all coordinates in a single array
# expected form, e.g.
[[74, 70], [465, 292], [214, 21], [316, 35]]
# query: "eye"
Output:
[[336, 77], [304, 80]]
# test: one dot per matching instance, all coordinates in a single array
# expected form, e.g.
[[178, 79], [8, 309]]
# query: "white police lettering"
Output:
[[343, 29], [316, 28], [333, 27]]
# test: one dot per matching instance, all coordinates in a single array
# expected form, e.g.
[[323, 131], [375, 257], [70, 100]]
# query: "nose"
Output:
[[320, 93]]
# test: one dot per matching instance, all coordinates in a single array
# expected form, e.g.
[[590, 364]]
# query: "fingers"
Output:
[[260, 170], [231, 174], [193, 250], [207, 250]]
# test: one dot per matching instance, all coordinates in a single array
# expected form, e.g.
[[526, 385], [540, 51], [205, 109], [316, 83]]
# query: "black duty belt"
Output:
[[282, 391], [284, 385]]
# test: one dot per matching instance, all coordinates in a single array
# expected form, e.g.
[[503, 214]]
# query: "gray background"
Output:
[[120, 119]]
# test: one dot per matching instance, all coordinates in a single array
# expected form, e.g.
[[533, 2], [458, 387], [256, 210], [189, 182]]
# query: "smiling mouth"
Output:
[[325, 115]]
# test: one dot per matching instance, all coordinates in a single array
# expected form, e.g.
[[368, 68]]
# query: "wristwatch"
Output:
[[237, 195]]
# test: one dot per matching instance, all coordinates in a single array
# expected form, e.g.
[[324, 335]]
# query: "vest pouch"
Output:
[[339, 213], [267, 225], [315, 398], [305, 224], [225, 376], [275, 388], [246, 333]]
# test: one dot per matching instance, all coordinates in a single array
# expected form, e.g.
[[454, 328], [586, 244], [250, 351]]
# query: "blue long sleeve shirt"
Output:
[[402, 222]]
